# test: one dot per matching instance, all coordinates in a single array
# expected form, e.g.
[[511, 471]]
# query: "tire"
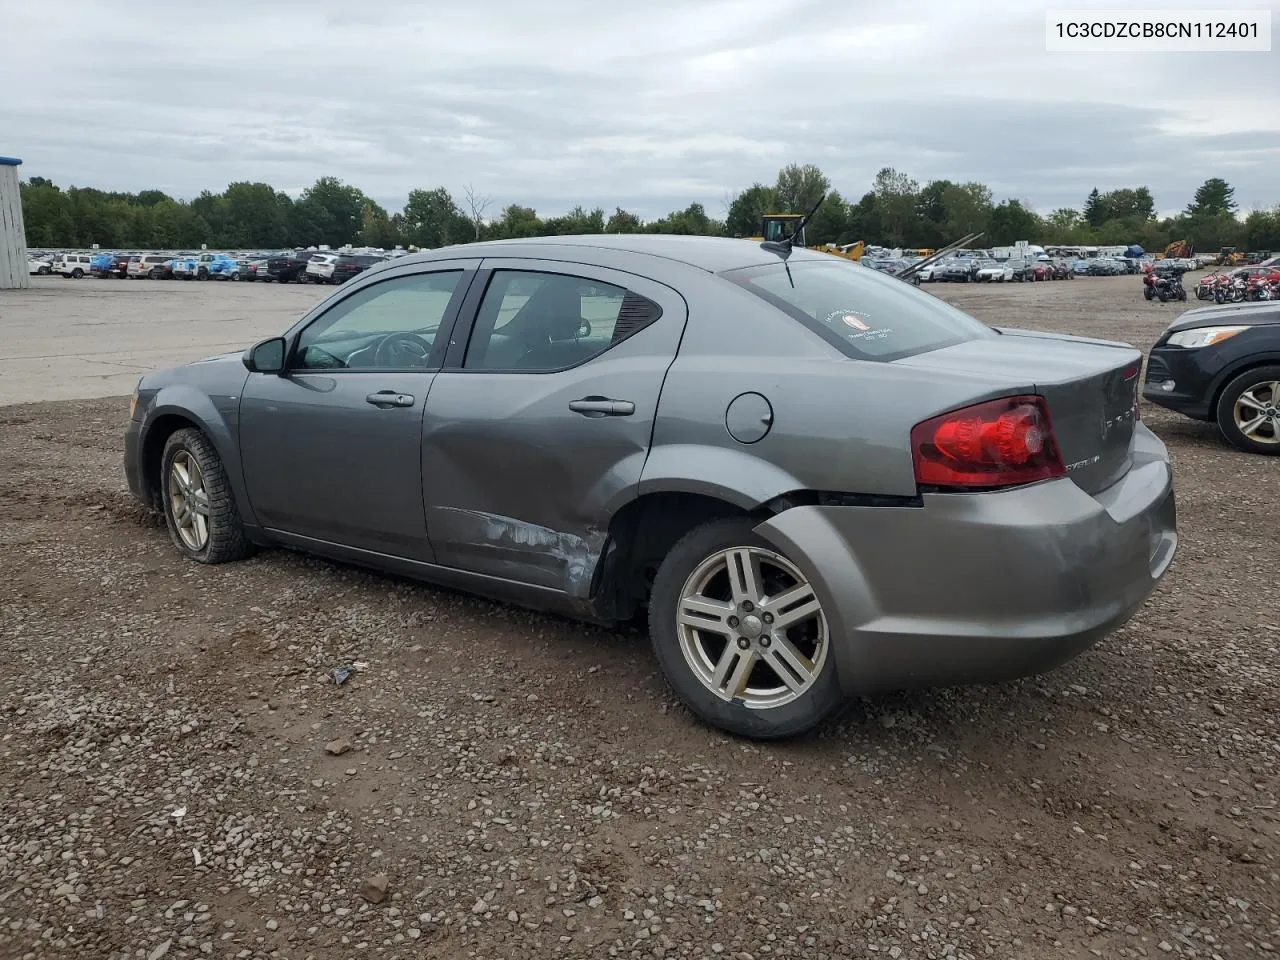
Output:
[[1257, 380], [224, 539], [202, 273], [1146, 292], [156, 274], [1164, 297], [77, 274], [689, 559]]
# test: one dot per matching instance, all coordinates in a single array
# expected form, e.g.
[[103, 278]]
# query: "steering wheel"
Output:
[[401, 350]]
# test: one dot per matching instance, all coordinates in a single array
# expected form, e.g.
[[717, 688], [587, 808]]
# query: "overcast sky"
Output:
[[649, 104]]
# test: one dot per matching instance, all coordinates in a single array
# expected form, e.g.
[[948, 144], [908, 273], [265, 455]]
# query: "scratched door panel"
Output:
[[517, 484]]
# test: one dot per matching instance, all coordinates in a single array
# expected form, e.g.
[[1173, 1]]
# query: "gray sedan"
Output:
[[813, 479]]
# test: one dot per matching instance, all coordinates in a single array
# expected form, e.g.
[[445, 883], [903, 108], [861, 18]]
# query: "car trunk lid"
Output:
[[1090, 386]]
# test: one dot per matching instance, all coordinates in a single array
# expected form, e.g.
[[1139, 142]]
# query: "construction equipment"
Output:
[[776, 227], [1228, 257], [783, 232], [1179, 248]]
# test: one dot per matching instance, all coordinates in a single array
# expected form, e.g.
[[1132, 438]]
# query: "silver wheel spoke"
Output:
[[703, 613], [1250, 427], [732, 671], [200, 527], [793, 606], [1249, 399], [744, 576], [792, 667]]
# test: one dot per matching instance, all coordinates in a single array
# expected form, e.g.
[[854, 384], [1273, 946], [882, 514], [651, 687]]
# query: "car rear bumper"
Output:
[[1176, 381], [983, 587]]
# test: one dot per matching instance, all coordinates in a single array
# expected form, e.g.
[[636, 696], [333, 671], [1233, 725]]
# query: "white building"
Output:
[[13, 238]]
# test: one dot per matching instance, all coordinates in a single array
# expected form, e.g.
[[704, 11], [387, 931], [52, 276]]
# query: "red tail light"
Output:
[[1000, 443]]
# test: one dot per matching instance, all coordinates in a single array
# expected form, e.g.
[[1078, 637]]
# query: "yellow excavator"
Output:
[[776, 227], [1229, 257]]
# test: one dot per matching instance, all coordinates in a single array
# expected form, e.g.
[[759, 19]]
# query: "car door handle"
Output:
[[389, 398], [602, 407]]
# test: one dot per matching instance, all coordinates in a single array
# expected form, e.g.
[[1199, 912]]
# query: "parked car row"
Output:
[[290, 266], [979, 269]]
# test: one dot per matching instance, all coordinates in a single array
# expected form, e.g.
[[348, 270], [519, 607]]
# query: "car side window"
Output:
[[542, 322], [388, 325]]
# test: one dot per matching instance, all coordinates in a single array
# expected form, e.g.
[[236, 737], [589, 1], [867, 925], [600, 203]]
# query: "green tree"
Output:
[[1215, 197], [331, 211], [517, 221], [896, 198], [747, 208], [799, 187], [1126, 204], [254, 215], [623, 221], [432, 219], [375, 227], [967, 209], [1093, 212], [1012, 221], [1262, 229], [830, 223]]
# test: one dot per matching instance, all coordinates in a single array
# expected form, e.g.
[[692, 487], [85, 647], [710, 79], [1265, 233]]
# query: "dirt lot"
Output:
[[178, 778]]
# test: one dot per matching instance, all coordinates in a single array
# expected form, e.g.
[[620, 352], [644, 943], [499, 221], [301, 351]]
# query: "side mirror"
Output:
[[266, 357]]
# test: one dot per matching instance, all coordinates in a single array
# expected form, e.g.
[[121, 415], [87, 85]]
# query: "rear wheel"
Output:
[[1249, 411], [741, 634], [199, 507]]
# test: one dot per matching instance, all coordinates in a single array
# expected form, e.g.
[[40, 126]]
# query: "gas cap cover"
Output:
[[749, 417]]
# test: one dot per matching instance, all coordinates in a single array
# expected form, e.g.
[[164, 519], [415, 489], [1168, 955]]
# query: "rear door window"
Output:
[[866, 314]]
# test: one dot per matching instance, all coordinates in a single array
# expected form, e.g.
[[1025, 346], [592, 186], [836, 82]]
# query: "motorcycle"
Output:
[[1233, 291], [1164, 285], [1205, 288]]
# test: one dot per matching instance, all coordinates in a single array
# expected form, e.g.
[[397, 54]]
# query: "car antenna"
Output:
[[783, 247]]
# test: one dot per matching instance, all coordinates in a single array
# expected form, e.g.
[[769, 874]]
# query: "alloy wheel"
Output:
[[1257, 412], [189, 501], [751, 628]]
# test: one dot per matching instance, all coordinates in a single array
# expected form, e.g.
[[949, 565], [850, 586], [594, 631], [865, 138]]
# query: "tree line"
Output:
[[896, 212]]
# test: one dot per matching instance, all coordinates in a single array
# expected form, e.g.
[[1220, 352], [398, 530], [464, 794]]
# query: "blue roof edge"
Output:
[[10, 162]]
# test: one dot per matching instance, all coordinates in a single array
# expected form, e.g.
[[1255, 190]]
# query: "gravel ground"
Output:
[[179, 778]]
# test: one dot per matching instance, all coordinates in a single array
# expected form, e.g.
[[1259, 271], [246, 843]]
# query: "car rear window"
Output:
[[866, 314]]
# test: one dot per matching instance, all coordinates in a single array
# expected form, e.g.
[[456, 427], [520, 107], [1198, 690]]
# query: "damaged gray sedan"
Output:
[[814, 480]]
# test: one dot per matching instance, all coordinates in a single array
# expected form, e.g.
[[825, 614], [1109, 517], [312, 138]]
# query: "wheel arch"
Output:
[[179, 408], [1243, 365]]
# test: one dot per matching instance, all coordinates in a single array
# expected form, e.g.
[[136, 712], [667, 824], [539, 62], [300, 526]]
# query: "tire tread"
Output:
[[227, 541]]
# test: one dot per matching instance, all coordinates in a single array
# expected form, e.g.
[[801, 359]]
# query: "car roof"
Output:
[[713, 254]]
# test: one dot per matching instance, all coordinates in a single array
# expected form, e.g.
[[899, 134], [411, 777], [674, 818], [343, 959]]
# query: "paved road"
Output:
[[83, 339]]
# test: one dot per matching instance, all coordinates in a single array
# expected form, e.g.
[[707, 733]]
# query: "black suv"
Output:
[[350, 264], [287, 266]]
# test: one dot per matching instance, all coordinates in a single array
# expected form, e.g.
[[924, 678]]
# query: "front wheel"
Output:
[[1146, 292], [741, 634], [77, 274], [199, 507], [1248, 411]]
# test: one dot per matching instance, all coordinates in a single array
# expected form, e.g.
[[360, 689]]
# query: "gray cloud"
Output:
[[650, 106]]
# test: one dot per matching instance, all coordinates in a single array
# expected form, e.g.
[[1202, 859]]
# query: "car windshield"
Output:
[[866, 314]]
